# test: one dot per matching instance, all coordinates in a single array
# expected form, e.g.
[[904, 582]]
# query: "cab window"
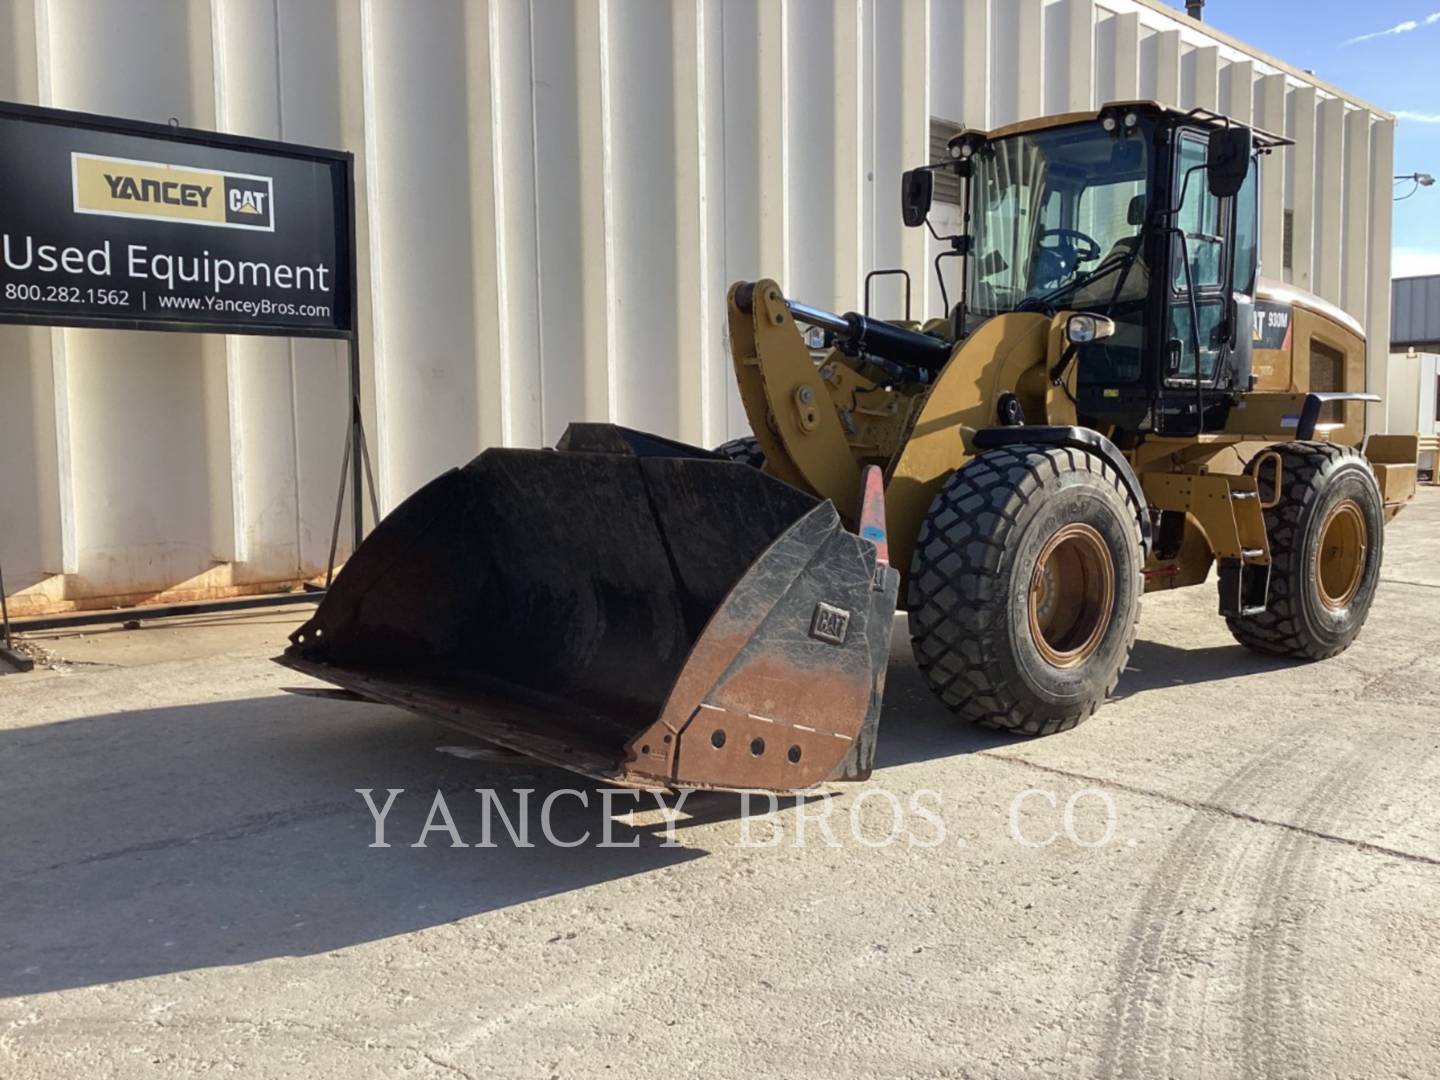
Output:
[[1199, 220], [1197, 268], [1247, 233]]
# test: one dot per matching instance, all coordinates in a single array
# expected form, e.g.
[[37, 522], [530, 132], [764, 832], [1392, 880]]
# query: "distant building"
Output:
[[1415, 351]]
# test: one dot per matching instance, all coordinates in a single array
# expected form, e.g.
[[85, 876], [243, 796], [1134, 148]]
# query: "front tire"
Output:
[[1025, 588], [1327, 539]]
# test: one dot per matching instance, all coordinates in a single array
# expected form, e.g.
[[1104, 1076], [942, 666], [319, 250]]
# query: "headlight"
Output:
[[1084, 329]]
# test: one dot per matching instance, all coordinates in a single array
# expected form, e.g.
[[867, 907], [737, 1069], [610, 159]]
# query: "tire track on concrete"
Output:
[[1138, 1043], [1215, 1012], [1175, 1033], [1275, 1008], [1162, 1001], [1274, 1032]]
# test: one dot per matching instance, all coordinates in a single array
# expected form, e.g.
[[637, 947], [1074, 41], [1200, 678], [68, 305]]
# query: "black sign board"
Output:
[[121, 224], [124, 225]]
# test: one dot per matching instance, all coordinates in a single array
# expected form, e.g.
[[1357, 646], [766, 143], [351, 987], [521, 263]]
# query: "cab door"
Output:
[[1213, 248]]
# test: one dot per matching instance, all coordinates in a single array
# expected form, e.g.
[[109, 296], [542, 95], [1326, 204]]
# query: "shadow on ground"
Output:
[[1155, 666], [163, 840], [917, 727], [144, 842], [151, 841]]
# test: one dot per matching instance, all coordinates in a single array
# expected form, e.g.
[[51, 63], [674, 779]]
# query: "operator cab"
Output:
[[1145, 215]]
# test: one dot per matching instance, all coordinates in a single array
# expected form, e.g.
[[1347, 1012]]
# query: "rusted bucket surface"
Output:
[[624, 606]]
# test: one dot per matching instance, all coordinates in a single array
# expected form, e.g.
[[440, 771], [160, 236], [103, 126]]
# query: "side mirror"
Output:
[[917, 189], [1228, 164]]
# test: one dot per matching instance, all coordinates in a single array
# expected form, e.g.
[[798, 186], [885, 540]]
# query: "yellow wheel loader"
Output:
[[1114, 403]]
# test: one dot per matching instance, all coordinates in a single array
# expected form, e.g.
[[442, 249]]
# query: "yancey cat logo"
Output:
[[120, 187]]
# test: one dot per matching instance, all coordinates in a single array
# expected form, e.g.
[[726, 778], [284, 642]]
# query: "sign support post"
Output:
[[357, 438], [354, 468], [126, 225]]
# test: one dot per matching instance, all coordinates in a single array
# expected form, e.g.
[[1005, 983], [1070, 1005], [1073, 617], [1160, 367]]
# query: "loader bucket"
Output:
[[626, 607]]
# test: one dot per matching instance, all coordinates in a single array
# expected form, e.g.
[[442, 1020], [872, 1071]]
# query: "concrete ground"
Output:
[[1250, 884]]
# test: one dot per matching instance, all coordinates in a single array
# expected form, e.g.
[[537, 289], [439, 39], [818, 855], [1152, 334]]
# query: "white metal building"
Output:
[[554, 196], [1415, 359], [1427, 400]]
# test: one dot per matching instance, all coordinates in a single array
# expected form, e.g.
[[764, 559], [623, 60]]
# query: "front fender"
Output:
[[994, 360]]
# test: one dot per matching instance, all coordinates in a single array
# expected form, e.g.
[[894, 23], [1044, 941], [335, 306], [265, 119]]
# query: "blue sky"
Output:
[[1398, 68]]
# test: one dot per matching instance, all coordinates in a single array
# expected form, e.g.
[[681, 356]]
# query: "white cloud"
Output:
[[1417, 117], [1403, 28], [1414, 262]]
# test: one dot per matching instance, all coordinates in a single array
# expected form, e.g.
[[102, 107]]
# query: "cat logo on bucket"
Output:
[[830, 623], [120, 187]]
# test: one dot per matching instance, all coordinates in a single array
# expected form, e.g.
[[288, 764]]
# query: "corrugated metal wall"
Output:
[[1416, 311], [555, 195]]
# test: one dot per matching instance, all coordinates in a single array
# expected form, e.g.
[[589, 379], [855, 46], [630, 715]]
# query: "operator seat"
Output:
[[1097, 293], [1119, 358]]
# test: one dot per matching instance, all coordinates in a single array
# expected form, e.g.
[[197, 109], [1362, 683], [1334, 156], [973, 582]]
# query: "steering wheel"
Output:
[[1055, 263]]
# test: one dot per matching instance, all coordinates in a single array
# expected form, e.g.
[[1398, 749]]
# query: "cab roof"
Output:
[[1264, 140]]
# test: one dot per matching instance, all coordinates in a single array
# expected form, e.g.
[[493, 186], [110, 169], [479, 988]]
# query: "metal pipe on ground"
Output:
[[8, 652], [165, 611]]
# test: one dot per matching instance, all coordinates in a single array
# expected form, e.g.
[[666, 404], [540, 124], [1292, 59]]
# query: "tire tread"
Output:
[[1280, 629], [957, 604]]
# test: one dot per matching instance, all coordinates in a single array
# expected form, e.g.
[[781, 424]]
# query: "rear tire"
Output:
[[1327, 539], [746, 450], [1025, 588]]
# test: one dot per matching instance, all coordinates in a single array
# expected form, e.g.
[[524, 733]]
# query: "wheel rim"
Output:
[[1340, 565], [1072, 595]]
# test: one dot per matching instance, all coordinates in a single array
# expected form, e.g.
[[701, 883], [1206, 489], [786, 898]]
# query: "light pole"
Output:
[[1418, 179]]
